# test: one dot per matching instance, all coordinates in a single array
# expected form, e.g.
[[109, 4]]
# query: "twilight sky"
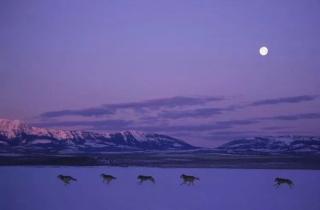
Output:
[[190, 69]]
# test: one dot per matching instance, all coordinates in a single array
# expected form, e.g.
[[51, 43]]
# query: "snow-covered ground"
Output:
[[37, 188]]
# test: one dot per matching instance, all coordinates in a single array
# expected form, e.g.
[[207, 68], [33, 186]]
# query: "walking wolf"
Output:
[[188, 179], [143, 178], [279, 181], [66, 179], [107, 178]]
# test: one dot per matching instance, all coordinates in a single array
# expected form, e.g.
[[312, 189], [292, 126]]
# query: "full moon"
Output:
[[263, 51]]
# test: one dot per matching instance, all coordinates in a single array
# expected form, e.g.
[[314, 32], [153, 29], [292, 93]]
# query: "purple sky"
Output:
[[190, 69]]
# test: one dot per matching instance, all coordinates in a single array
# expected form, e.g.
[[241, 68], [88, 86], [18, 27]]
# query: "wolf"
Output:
[[280, 181], [107, 178], [188, 179], [66, 179], [143, 178]]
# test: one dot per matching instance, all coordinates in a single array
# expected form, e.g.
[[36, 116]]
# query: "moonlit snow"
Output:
[[38, 188]]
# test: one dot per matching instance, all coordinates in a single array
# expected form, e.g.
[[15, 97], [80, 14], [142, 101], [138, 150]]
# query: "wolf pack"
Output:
[[186, 179]]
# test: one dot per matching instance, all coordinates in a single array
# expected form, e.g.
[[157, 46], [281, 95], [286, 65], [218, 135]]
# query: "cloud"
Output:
[[154, 104], [102, 124], [123, 125], [169, 103], [272, 128], [203, 112], [305, 116], [295, 99], [232, 123], [220, 125], [172, 102], [162, 116], [230, 133], [83, 112]]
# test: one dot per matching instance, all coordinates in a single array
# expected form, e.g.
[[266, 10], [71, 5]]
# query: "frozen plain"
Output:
[[38, 188]]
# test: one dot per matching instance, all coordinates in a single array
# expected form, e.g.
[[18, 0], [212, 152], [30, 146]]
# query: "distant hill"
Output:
[[272, 145]]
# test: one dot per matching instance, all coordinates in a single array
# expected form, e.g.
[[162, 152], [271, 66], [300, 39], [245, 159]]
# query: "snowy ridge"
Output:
[[18, 137], [273, 145], [11, 128]]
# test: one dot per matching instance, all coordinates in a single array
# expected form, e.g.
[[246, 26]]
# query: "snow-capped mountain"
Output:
[[273, 145], [19, 137]]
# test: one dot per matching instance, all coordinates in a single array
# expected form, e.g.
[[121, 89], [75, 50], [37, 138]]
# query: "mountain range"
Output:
[[17, 137], [273, 145]]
